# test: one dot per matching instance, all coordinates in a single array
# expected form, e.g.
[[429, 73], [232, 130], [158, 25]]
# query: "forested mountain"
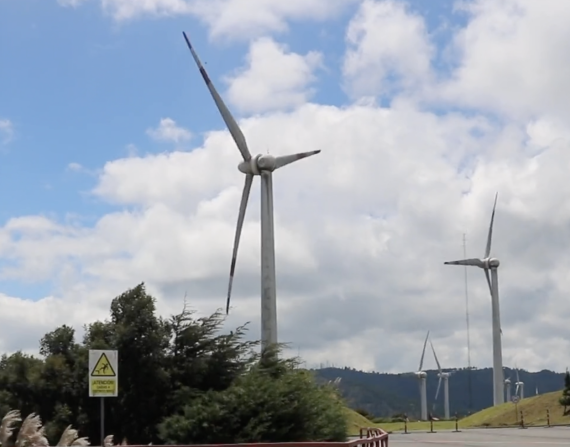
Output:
[[384, 395]]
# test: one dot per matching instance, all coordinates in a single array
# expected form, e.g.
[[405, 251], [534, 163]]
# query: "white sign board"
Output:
[[515, 399], [103, 373]]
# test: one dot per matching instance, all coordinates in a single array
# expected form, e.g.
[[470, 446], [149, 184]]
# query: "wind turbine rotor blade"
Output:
[[489, 282], [490, 235], [234, 129], [437, 390], [288, 159], [241, 216], [476, 262], [435, 355], [517, 389], [423, 352], [518, 380]]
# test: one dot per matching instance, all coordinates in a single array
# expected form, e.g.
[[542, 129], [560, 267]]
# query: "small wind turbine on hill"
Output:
[[445, 377], [421, 376], [508, 388], [262, 165], [491, 264], [519, 386]]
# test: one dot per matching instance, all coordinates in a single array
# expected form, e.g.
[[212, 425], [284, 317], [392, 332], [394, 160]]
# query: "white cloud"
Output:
[[236, 19], [72, 3], [274, 78], [6, 130], [512, 58], [388, 49], [167, 130], [361, 232], [76, 167]]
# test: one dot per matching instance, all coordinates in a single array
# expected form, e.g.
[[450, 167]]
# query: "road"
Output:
[[543, 437]]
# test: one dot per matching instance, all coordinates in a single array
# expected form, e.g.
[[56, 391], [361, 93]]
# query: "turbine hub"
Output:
[[257, 164], [266, 163], [508, 381], [493, 263], [421, 374]]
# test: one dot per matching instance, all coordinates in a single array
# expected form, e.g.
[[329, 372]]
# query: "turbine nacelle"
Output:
[[421, 374], [491, 263], [507, 381], [259, 163]]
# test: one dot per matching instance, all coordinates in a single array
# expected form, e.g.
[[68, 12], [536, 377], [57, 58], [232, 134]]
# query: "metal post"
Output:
[[548, 417], [456, 424], [102, 421], [431, 426], [522, 420], [406, 425]]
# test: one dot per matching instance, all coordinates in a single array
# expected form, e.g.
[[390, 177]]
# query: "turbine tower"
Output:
[[491, 264], [262, 165], [445, 377], [519, 387], [421, 376], [508, 388]]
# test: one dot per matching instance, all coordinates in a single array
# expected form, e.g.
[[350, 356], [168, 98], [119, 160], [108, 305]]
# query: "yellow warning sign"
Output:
[[103, 368], [102, 387]]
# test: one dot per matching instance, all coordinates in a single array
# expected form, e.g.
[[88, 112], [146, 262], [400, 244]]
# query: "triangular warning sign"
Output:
[[103, 368]]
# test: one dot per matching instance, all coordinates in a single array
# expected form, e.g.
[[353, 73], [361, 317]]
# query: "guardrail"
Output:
[[369, 437]]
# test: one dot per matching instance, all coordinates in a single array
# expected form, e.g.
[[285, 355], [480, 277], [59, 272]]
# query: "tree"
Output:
[[274, 401], [184, 369], [565, 398]]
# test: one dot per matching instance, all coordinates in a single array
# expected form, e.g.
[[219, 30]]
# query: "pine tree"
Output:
[[565, 398]]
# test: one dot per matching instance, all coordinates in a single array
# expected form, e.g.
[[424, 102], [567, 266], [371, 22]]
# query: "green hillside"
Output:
[[387, 395], [534, 410]]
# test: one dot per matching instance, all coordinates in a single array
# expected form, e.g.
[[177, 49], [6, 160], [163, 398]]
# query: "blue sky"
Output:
[[79, 87]]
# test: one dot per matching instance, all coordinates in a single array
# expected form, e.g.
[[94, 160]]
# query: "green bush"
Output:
[[274, 401]]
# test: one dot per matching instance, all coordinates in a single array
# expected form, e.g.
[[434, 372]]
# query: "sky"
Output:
[[116, 168]]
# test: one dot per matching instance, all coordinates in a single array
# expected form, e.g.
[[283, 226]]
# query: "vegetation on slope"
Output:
[[180, 379], [534, 410], [388, 395], [356, 421]]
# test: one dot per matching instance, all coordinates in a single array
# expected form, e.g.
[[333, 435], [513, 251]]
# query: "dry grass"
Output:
[[534, 410], [31, 433]]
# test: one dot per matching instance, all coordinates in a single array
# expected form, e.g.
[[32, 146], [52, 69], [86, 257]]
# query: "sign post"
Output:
[[515, 400], [103, 378]]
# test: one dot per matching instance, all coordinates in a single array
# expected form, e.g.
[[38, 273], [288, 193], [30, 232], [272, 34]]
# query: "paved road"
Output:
[[543, 437]]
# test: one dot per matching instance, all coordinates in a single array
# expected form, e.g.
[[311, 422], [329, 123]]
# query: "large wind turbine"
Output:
[[262, 165], [492, 264]]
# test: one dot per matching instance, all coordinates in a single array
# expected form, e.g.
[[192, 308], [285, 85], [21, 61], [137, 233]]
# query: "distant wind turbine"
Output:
[[519, 386], [422, 376], [445, 377], [262, 165], [491, 264]]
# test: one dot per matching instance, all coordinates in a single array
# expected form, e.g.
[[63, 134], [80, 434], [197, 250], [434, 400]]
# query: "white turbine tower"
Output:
[[519, 387], [445, 377], [508, 388], [491, 264], [421, 376], [262, 165]]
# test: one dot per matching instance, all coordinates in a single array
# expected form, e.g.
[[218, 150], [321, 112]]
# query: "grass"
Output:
[[417, 426], [533, 410], [355, 421]]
